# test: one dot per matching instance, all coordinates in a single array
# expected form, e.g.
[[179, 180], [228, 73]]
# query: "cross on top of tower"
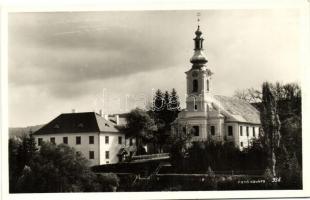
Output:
[[198, 18]]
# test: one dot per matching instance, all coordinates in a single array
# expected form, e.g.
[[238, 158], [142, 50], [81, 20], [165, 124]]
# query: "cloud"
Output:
[[44, 51], [64, 59]]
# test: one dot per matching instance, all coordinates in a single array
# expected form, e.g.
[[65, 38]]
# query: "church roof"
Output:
[[239, 110], [77, 123]]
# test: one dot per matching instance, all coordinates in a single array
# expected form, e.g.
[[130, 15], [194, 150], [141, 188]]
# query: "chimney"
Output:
[[106, 116], [116, 119], [73, 110], [100, 112]]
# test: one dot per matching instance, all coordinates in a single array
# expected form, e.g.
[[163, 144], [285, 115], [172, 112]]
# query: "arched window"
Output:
[[195, 85], [208, 85]]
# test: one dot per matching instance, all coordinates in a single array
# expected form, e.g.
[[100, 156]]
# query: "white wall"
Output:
[[246, 140], [84, 147], [113, 147]]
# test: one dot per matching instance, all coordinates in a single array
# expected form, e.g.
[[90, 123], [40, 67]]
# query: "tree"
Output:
[[250, 95], [140, 126], [158, 101], [179, 145], [271, 126], [165, 110], [21, 151], [59, 168], [174, 104]]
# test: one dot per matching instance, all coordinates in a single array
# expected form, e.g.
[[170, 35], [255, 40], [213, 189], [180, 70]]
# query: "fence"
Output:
[[151, 156]]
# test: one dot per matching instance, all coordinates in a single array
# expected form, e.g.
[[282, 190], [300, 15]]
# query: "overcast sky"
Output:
[[96, 60]]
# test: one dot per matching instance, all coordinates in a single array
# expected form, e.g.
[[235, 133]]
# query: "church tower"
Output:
[[198, 78], [213, 117]]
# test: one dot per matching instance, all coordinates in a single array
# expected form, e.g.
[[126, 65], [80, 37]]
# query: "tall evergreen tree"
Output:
[[174, 104], [158, 101], [271, 126]]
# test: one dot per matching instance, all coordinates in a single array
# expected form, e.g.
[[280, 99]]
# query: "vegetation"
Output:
[[153, 126], [52, 168], [164, 111], [271, 126], [277, 154]]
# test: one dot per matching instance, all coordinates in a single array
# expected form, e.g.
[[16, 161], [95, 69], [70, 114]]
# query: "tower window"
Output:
[[253, 131], [195, 85], [241, 133], [207, 85], [195, 107]]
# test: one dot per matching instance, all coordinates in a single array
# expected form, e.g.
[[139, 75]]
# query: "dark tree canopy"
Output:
[[53, 168]]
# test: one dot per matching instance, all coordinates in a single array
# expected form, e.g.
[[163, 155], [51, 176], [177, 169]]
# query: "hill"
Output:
[[19, 131]]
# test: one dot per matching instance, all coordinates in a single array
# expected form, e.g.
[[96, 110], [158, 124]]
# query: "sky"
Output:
[[115, 60]]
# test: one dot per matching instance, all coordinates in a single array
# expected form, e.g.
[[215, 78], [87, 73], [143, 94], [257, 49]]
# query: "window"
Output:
[[40, 140], [78, 139], [196, 130], [230, 130], [91, 154], [65, 140], [107, 139], [247, 131], [91, 139], [107, 162], [207, 85], [107, 155], [196, 107], [241, 144], [254, 132], [52, 139], [130, 142], [241, 133], [120, 140], [195, 85], [212, 130]]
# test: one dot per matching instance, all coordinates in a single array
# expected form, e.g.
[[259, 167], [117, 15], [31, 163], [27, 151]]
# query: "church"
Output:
[[213, 117]]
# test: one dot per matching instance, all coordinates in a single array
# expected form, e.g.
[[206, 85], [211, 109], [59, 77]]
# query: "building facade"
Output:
[[96, 137], [214, 117]]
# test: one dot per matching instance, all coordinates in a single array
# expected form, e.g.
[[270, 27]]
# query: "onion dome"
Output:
[[199, 58]]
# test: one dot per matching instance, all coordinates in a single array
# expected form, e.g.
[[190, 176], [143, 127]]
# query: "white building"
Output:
[[208, 116], [92, 135]]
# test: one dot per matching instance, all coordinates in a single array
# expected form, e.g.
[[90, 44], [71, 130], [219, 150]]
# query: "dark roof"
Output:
[[77, 123], [239, 110]]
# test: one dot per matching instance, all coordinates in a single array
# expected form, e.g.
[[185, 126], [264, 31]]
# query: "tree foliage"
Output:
[[283, 132], [140, 126], [250, 95], [166, 107], [52, 168], [271, 125]]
